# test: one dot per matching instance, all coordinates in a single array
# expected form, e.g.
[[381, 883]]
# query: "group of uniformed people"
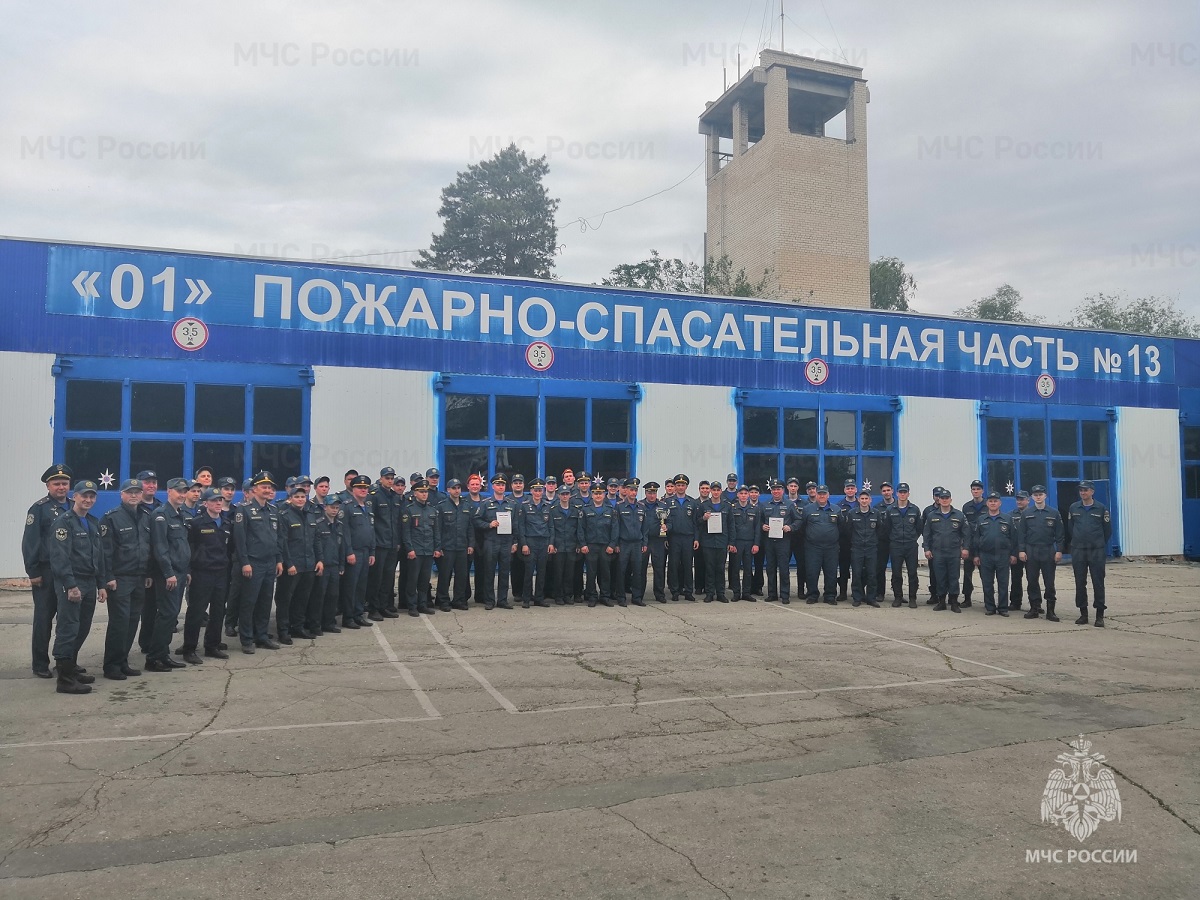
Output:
[[329, 560]]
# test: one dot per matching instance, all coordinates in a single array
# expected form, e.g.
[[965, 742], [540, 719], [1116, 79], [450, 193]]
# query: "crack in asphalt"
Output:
[[691, 862]]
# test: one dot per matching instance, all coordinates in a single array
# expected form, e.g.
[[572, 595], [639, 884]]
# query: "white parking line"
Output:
[[810, 691], [422, 697], [177, 735], [885, 637], [470, 670]]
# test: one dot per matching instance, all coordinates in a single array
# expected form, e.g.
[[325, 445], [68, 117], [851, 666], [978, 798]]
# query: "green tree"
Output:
[[497, 219], [676, 276], [891, 286], [1002, 306], [658, 274], [1143, 315]]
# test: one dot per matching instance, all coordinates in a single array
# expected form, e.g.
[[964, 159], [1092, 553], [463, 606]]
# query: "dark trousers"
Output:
[[497, 569], [993, 576], [741, 570], [714, 570], [679, 568], [233, 605], [843, 564], [454, 565], [1040, 569], [420, 571], [760, 557], [74, 621], [863, 569], [477, 565], [353, 589], [562, 575], [254, 617], [598, 564], [945, 569], [968, 569], [904, 558], [206, 594], [166, 618], [797, 554], [1085, 561], [701, 568], [291, 602], [45, 607], [149, 613], [630, 571], [517, 575], [328, 590], [656, 560], [381, 580], [778, 575], [1016, 586], [821, 562], [881, 563], [537, 571], [124, 607]]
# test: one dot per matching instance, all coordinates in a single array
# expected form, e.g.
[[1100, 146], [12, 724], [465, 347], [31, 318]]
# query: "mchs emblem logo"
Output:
[[1081, 794]]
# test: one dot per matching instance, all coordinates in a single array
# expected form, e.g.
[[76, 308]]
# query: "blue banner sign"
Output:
[[151, 286]]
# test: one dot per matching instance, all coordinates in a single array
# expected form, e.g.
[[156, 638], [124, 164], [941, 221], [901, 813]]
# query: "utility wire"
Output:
[[585, 225]]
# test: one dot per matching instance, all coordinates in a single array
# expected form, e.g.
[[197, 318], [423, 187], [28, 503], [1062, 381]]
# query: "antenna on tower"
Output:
[[780, 26]]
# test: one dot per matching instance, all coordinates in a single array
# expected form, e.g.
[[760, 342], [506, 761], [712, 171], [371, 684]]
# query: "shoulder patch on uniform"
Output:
[[103, 529], [1106, 517], [238, 517], [29, 519], [60, 534]]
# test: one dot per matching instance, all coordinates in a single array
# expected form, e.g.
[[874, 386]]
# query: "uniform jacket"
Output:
[[566, 526], [210, 543], [862, 528], [719, 539], [256, 535], [457, 525], [170, 552], [487, 515], [1041, 529], [948, 534], [599, 525], [386, 504], [299, 543], [631, 523], [422, 528], [35, 547], [358, 528], [331, 546], [682, 520], [773, 510], [904, 525], [994, 536], [126, 539], [1088, 527], [820, 526], [535, 524], [745, 524], [76, 552]]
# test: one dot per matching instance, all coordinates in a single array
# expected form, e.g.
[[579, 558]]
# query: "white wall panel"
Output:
[[1150, 514], [939, 444], [686, 428], [26, 443], [366, 419]]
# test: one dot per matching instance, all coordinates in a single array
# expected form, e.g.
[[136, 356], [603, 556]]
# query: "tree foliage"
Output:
[[1143, 315], [676, 276], [497, 219], [891, 286], [1002, 306]]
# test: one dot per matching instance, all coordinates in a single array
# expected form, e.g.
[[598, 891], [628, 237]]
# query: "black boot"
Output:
[[1083, 617], [79, 673], [66, 678], [1099, 623], [939, 604], [1050, 616], [954, 607], [1034, 611]]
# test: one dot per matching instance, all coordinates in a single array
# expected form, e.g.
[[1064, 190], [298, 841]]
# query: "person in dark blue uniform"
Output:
[[904, 526], [599, 545], [745, 533], [822, 537], [35, 552], [126, 540], [258, 561], [1089, 530], [534, 541], [79, 576], [331, 552], [359, 529], [298, 547], [861, 526], [654, 561], [422, 536], [779, 550], [565, 538], [170, 557], [994, 549], [712, 527], [629, 570], [210, 536], [972, 509], [681, 541], [456, 550], [947, 538], [1040, 541], [497, 548]]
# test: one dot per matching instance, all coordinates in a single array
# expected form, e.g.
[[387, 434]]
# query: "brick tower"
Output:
[[782, 196]]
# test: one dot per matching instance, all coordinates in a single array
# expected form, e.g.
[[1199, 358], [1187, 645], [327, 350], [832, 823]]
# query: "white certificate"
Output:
[[714, 523], [775, 527], [503, 522]]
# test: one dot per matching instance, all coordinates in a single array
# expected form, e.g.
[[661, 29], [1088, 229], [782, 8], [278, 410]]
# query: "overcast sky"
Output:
[[1054, 146]]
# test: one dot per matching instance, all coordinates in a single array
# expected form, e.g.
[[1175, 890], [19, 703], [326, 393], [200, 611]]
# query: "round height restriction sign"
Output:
[[1045, 386], [817, 372], [189, 334], [539, 355]]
